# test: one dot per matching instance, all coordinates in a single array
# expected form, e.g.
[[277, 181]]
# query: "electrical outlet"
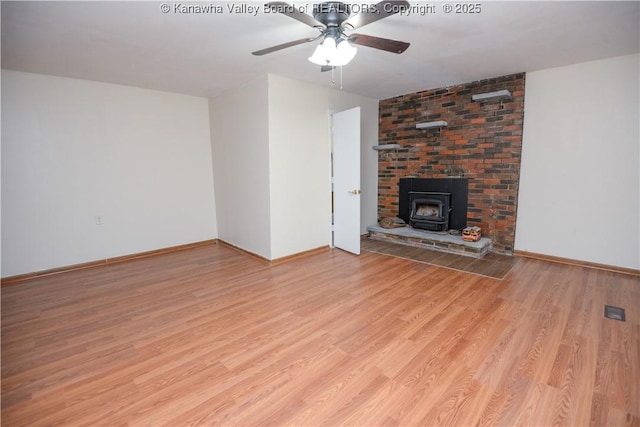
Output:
[[99, 220]]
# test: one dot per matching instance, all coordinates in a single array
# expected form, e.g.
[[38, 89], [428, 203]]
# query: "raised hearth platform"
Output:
[[443, 242]]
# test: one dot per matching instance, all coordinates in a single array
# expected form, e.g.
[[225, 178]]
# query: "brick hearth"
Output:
[[442, 242]]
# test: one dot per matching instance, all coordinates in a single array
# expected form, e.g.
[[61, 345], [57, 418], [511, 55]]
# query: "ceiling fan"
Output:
[[334, 19]]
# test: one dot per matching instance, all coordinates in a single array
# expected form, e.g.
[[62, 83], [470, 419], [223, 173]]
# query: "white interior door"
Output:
[[345, 127]]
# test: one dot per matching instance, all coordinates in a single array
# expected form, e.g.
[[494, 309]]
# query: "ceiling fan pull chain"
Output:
[[340, 77], [333, 80]]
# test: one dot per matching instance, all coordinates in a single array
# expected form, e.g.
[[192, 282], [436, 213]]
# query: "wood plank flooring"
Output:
[[211, 336], [491, 265]]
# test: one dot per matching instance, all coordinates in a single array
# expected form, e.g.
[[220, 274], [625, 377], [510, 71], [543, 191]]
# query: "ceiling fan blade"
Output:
[[283, 46], [380, 11], [292, 12], [389, 45]]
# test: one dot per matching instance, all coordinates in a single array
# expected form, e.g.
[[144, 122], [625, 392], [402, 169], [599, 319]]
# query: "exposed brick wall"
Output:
[[482, 142]]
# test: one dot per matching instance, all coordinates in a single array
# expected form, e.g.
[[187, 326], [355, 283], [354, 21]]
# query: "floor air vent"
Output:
[[615, 313]]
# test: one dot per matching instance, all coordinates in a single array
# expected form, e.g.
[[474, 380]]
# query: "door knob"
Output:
[[354, 192]]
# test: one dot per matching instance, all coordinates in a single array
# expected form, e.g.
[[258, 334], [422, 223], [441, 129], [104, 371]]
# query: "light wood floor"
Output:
[[211, 336], [491, 265]]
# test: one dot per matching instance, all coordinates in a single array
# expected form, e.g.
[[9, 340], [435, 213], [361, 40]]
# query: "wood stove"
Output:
[[434, 204], [430, 210]]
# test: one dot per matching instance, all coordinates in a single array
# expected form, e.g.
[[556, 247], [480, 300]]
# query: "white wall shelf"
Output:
[[386, 147], [491, 95], [429, 125]]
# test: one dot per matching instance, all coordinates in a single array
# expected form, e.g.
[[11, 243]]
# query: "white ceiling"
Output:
[[134, 43]]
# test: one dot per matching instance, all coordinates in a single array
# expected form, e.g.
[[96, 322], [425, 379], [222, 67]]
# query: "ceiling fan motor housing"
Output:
[[331, 14]]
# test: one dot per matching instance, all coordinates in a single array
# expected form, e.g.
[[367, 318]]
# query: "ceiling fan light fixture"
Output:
[[327, 53], [324, 52], [345, 52]]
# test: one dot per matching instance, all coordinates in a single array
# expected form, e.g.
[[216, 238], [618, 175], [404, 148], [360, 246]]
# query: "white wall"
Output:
[[240, 145], [73, 150], [145, 162], [579, 184], [272, 136], [300, 162], [299, 166]]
